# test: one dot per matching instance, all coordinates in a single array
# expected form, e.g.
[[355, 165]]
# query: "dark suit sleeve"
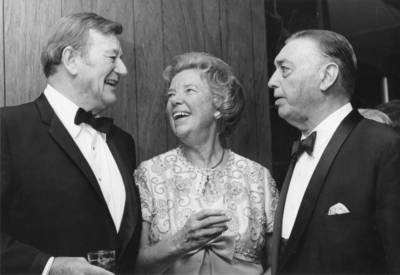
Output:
[[135, 243], [16, 257], [133, 155], [388, 203]]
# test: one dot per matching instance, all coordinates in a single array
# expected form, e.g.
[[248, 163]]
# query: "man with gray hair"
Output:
[[66, 173], [339, 206]]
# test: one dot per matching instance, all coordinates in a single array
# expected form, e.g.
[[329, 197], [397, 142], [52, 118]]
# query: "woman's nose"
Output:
[[175, 98]]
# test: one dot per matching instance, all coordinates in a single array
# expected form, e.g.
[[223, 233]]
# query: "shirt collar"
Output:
[[64, 108], [328, 126]]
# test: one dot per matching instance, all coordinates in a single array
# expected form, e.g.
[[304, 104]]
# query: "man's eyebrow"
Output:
[[114, 51], [284, 62], [280, 61]]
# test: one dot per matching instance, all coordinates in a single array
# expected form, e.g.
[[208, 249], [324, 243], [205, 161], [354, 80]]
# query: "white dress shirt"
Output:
[[96, 152], [305, 167], [94, 148]]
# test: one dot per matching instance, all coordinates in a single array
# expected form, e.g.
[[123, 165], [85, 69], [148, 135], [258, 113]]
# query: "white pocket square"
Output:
[[338, 209]]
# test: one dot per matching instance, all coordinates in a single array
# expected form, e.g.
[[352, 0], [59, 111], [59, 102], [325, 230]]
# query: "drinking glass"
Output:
[[102, 258]]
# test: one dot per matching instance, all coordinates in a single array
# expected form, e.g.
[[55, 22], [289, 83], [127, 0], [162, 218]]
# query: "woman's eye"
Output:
[[189, 90], [113, 58]]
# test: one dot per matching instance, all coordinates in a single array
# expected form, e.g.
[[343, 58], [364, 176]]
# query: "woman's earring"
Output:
[[217, 115]]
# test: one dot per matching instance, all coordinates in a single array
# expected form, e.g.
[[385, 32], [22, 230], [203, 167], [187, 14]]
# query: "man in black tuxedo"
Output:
[[340, 202], [66, 174]]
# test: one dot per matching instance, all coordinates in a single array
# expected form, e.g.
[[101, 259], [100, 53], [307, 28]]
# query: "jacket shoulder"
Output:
[[17, 113], [122, 135], [377, 131]]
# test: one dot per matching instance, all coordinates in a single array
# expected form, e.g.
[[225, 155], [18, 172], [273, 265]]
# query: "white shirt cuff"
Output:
[[48, 266]]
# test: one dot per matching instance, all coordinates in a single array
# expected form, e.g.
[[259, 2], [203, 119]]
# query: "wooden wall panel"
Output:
[[124, 111], [151, 123], [212, 34], [238, 52], [73, 6], [154, 32], [2, 95], [26, 24], [183, 27], [261, 96], [183, 32]]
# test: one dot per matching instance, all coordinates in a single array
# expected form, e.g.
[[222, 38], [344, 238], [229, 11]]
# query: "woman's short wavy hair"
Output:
[[225, 87]]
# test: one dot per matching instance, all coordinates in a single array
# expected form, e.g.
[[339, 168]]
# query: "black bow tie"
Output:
[[305, 145], [101, 124]]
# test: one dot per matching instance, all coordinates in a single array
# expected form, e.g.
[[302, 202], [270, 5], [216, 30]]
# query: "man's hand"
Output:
[[75, 266]]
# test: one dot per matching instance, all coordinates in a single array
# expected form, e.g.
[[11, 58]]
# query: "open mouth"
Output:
[[111, 82], [179, 115]]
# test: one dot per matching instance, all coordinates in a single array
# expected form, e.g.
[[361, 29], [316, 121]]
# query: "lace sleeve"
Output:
[[271, 200], [146, 197]]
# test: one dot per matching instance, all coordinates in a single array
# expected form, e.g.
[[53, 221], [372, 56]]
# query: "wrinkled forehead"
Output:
[[108, 42], [300, 50]]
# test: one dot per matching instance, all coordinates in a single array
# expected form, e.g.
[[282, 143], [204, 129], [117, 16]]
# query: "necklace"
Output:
[[204, 172], [219, 162], [209, 171]]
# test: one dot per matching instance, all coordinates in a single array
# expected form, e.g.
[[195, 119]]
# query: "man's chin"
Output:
[[109, 100], [283, 113], [287, 116]]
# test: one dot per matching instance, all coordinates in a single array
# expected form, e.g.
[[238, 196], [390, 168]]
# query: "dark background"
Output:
[[372, 27]]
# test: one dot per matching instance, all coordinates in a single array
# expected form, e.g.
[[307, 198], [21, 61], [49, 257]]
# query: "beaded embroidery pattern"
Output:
[[172, 189]]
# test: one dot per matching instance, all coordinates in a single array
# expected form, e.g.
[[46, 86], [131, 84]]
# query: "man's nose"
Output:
[[272, 83], [120, 67]]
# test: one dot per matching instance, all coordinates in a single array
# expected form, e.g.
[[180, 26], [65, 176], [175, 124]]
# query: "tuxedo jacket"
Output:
[[360, 168], [51, 203]]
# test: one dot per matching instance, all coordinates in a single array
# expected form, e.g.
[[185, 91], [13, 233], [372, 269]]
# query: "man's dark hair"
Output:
[[73, 30], [339, 49]]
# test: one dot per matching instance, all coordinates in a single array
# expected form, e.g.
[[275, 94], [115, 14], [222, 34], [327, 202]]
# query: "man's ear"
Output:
[[69, 58], [329, 74]]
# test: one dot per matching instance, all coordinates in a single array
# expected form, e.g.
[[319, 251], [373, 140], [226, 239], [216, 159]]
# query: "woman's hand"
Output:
[[199, 229]]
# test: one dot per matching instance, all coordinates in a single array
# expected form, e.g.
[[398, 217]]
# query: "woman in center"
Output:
[[206, 210]]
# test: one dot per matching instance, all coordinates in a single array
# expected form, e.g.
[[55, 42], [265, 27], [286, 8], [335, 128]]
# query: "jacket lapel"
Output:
[[65, 141], [317, 181], [130, 216], [277, 230]]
